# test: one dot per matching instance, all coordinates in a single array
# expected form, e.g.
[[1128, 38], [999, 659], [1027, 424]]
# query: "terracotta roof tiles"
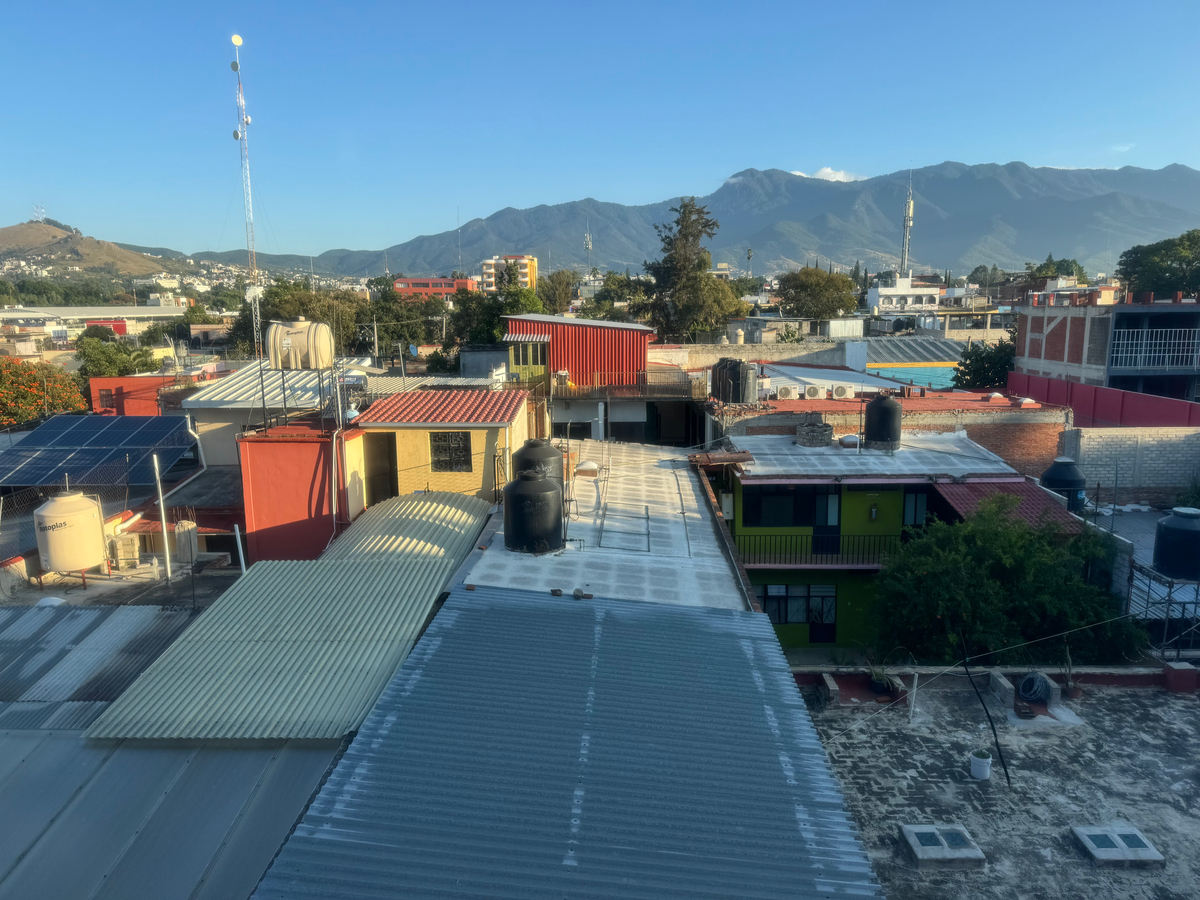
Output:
[[445, 408]]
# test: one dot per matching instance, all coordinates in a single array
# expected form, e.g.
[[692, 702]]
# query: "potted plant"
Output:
[[981, 764], [881, 681]]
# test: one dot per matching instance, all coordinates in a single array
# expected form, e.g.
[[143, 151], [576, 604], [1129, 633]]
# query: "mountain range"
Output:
[[965, 215]]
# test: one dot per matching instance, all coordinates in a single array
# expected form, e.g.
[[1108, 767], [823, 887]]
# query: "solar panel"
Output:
[[57, 427]]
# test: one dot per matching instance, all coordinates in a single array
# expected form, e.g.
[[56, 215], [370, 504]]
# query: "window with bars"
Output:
[[107, 401], [798, 604], [450, 451]]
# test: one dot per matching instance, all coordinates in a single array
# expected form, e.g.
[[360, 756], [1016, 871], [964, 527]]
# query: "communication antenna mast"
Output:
[[749, 256], [587, 245], [908, 217], [458, 230], [39, 213], [239, 135]]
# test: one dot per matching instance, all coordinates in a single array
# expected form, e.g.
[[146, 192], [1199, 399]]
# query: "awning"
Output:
[[528, 338]]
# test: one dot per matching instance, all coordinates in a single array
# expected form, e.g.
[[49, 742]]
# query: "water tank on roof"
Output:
[[1064, 478], [539, 455], [721, 379], [70, 533], [747, 383], [300, 345], [1177, 544], [881, 423], [533, 514]]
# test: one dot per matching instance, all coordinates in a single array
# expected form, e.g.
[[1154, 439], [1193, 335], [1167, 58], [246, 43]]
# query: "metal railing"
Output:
[[816, 550], [634, 386], [1155, 348]]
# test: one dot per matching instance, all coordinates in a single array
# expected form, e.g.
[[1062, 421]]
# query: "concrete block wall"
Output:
[[852, 354], [1151, 464]]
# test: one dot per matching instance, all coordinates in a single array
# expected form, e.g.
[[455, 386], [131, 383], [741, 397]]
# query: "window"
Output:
[[814, 605], [106, 399], [529, 354], [450, 451], [914, 508]]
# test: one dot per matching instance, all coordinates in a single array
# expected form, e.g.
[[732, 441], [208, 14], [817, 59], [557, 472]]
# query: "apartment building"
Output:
[[527, 271]]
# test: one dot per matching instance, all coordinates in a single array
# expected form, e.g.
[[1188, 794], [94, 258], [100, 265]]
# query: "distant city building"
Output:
[[721, 272], [425, 287], [903, 293], [527, 271]]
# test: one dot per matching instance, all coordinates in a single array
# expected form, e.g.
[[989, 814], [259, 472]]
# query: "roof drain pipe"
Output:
[[199, 452]]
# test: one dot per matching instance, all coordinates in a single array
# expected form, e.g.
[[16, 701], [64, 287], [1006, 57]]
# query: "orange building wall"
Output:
[[133, 395]]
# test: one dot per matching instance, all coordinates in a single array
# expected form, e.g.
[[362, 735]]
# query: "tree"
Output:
[[478, 318], [98, 332], [1163, 267], [815, 294], [287, 300], [1057, 268], [557, 290], [198, 315], [706, 303], [1000, 581], [983, 366], [676, 275], [617, 296], [30, 390], [980, 276], [746, 285]]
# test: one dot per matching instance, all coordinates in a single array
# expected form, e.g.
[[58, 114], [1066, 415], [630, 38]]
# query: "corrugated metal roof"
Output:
[[439, 523], [244, 390], [563, 320], [903, 349], [528, 338], [169, 822], [296, 649], [445, 408], [535, 746]]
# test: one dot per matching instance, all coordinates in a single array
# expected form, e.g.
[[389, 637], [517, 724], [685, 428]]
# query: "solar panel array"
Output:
[[91, 449]]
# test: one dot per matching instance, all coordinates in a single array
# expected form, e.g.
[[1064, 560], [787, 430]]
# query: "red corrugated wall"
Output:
[[1104, 407], [592, 354]]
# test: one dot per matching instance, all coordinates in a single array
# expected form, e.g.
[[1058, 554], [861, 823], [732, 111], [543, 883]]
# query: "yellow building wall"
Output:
[[356, 477], [414, 473]]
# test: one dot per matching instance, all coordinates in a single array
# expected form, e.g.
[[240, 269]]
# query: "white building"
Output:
[[903, 295]]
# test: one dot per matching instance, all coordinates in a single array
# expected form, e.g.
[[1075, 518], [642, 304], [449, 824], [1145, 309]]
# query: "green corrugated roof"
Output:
[[302, 649]]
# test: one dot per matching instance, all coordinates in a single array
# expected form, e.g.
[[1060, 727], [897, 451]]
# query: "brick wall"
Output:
[[1056, 339], [1142, 463], [1075, 340]]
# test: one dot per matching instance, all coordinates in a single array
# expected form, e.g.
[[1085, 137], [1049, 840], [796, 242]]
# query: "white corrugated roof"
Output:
[[244, 390], [92, 312]]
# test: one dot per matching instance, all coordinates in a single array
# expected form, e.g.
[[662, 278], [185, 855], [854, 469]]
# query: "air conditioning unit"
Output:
[[786, 392], [815, 392], [842, 392]]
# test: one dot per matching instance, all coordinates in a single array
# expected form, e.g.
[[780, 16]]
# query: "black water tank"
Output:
[[1177, 544], [881, 428], [725, 377], [1064, 478], [539, 455], [747, 383], [533, 514]]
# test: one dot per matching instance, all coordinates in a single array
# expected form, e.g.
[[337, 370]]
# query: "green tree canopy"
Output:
[[288, 300], [746, 284], [986, 366], [813, 293], [1163, 267], [478, 317], [30, 390], [1058, 268], [557, 290], [1000, 582], [618, 297], [98, 332], [680, 292]]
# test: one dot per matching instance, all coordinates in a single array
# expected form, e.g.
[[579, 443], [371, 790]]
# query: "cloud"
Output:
[[1122, 148], [825, 173], [734, 179]]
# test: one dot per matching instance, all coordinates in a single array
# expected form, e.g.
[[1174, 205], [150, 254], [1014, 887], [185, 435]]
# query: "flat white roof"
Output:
[[922, 456], [306, 388], [92, 312], [644, 533], [801, 376]]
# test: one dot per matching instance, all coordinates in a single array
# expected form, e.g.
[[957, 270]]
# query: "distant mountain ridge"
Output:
[[964, 215]]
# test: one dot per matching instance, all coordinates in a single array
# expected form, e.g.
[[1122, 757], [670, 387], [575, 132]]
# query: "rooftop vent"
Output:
[[1117, 844], [941, 847]]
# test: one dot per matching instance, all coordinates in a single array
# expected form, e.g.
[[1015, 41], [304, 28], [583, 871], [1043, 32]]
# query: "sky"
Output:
[[373, 123]]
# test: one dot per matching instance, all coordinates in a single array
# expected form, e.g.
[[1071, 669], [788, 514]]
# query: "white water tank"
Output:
[[70, 533], [300, 345]]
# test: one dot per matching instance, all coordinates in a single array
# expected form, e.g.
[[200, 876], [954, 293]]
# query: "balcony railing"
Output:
[[827, 551], [633, 386], [1155, 348]]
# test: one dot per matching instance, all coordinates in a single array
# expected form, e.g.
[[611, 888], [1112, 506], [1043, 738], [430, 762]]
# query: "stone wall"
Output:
[[1151, 464]]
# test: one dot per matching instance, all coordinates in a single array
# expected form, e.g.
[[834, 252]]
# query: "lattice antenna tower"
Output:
[[39, 213], [239, 135], [908, 217], [587, 245]]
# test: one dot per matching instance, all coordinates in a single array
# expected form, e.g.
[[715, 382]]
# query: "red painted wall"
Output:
[[1103, 407], [405, 286], [591, 353], [133, 396], [118, 326]]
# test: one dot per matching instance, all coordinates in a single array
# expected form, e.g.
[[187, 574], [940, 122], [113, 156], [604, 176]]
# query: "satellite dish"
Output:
[[233, 65], [412, 351], [237, 135], [237, 40]]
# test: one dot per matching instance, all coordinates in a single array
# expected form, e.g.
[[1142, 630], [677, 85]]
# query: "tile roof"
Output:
[[445, 408], [535, 746], [1036, 506]]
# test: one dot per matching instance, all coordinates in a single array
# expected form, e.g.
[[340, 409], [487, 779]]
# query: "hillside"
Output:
[[61, 248]]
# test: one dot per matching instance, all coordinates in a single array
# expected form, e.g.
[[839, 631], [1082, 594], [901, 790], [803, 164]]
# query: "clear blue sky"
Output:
[[373, 121]]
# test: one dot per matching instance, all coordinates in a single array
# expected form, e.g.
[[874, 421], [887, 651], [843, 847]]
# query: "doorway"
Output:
[[379, 460]]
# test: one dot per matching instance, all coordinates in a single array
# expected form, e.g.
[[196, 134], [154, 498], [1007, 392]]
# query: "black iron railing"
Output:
[[816, 550]]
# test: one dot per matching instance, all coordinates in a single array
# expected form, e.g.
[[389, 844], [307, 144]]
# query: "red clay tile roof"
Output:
[[445, 408], [931, 402], [1035, 507]]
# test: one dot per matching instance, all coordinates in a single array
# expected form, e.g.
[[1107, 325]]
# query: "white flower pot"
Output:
[[981, 769]]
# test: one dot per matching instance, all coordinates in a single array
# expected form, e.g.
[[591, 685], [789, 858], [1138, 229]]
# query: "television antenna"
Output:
[[239, 135]]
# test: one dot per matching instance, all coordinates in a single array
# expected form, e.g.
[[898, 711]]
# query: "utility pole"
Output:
[[239, 134], [908, 220], [375, 328]]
